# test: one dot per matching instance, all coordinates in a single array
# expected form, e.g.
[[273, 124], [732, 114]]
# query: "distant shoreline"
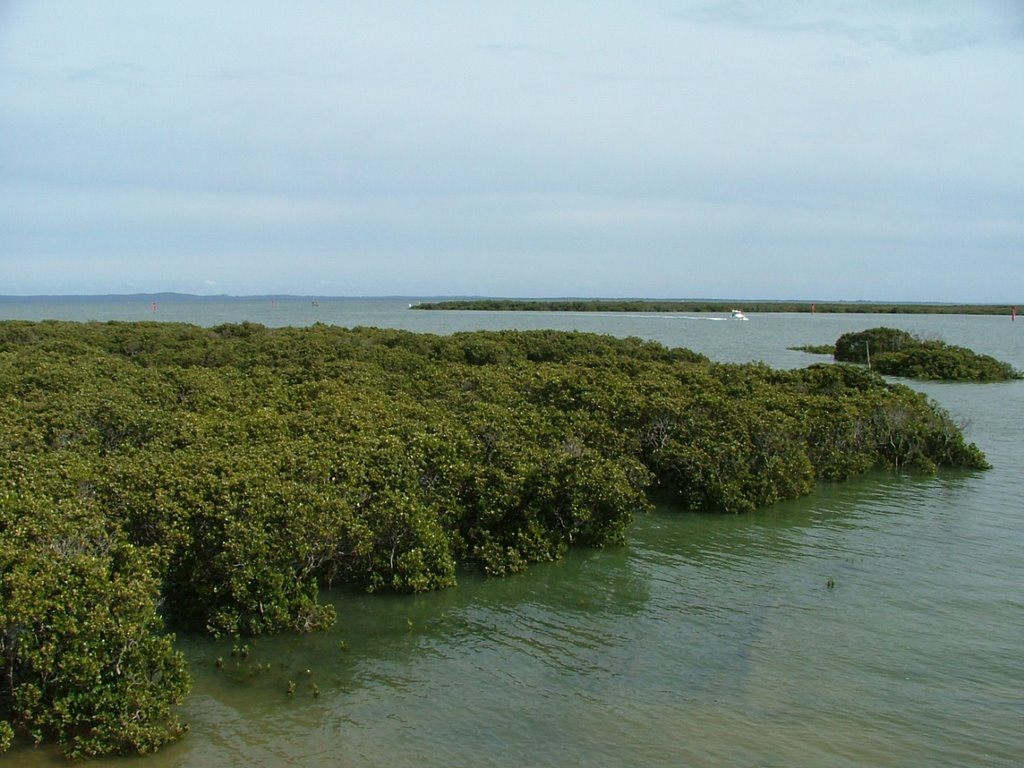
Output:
[[556, 304], [644, 305]]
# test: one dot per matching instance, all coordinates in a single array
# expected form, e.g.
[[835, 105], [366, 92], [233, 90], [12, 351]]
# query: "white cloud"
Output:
[[515, 146]]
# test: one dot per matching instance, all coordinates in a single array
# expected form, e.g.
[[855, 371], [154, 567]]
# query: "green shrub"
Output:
[[84, 656], [227, 475], [861, 346], [898, 353]]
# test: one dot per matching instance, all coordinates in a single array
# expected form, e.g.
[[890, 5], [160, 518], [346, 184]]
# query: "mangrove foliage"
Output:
[[160, 475], [705, 305], [895, 352]]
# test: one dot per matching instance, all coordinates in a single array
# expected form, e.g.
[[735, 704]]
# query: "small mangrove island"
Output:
[[719, 306], [163, 476], [895, 352]]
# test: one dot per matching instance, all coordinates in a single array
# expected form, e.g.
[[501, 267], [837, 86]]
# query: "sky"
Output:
[[832, 150]]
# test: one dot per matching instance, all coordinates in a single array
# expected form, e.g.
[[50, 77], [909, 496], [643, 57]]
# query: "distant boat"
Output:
[[738, 315]]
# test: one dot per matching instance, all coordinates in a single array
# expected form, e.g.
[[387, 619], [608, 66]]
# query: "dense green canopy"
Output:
[[898, 353], [217, 478], [705, 305]]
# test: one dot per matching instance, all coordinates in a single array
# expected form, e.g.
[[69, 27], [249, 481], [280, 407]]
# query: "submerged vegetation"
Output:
[[898, 353], [702, 305], [215, 479]]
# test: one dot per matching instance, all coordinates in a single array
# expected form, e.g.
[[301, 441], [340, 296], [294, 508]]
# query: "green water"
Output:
[[706, 641]]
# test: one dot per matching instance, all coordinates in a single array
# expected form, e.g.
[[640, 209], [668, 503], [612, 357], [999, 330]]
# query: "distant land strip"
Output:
[[686, 305]]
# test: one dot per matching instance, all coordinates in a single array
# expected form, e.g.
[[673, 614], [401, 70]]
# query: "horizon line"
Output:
[[480, 297]]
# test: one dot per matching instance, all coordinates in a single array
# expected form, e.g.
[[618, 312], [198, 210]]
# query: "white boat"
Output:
[[738, 315]]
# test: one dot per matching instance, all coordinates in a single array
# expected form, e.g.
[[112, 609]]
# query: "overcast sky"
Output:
[[868, 149]]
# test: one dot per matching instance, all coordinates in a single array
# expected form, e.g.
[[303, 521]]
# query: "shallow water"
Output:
[[706, 641]]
